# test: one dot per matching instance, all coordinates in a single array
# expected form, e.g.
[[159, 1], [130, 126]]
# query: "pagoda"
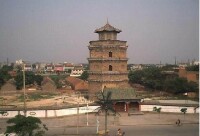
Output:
[[107, 60]]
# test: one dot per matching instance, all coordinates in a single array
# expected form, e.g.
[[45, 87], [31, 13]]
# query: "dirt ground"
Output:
[[59, 99]]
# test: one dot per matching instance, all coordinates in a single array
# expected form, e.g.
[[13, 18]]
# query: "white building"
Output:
[[77, 71]]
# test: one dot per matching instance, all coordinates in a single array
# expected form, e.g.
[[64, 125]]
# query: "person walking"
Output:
[[119, 132], [178, 122]]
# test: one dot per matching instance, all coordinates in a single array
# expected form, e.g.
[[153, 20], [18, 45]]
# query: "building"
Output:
[[49, 68], [8, 86], [189, 75], [124, 100], [77, 84], [68, 67], [77, 71], [58, 68], [136, 67], [28, 67], [48, 85], [107, 60]]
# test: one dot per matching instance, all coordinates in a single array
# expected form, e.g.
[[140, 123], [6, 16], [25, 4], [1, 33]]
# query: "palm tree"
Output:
[[105, 103]]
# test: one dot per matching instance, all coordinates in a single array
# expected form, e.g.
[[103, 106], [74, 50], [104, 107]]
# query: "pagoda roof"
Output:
[[107, 28]]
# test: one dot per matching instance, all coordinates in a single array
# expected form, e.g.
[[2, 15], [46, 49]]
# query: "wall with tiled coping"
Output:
[[89, 109]]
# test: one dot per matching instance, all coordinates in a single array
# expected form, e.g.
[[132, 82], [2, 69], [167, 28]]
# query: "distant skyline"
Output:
[[60, 30]]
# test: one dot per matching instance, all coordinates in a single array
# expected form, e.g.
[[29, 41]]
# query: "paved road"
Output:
[[141, 130], [149, 124]]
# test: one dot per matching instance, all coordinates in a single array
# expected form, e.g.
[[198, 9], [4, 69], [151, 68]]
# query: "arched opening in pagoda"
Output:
[[110, 68], [110, 54]]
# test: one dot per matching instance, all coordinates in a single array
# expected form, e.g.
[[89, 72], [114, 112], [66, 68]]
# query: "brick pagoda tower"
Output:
[[107, 61]]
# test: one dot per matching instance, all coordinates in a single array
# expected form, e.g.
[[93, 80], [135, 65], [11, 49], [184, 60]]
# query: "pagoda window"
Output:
[[110, 67], [110, 54]]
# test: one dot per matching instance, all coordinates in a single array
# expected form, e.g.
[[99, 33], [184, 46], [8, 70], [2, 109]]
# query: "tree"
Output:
[[3, 112], [84, 75], [4, 72], [24, 126], [184, 110], [30, 78], [56, 79], [153, 78], [158, 110], [180, 85], [149, 77], [38, 79], [136, 76], [193, 68], [105, 103], [1, 82]]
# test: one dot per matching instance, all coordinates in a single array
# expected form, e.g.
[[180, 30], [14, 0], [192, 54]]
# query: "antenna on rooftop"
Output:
[[107, 21]]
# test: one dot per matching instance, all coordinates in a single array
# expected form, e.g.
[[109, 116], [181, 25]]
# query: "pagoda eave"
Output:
[[107, 59], [107, 73], [108, 80]]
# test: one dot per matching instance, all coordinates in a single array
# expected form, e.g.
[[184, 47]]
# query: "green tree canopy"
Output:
[[30, 78], [84, 75], [154, 78], [24, 126], [150, 77], [4, 72], [136, 76], [180, 85], [4, 75], [193, 68], [57, 78], [38, 79]]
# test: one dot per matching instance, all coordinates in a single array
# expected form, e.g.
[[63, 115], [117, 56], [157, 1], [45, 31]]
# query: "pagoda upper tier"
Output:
[[107, 32]]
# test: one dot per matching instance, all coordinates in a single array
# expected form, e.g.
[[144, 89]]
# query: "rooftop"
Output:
[[121, 94], [107, 28]]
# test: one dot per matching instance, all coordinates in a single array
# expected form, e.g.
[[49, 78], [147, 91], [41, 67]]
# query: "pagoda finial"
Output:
[[107, 21]]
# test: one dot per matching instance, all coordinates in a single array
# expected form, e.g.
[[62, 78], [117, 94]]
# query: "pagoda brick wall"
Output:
[[119, 66], [103, 53], [97, 86], [121, 77]]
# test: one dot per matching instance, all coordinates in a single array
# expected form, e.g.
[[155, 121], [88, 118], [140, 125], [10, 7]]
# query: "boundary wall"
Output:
[[167, 108], [50, 113]]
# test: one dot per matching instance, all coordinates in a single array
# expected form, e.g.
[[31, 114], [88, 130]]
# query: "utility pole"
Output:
[[175, 60], [87, 113], [77, 119], [77, 128], [97, 123], [24, 89]]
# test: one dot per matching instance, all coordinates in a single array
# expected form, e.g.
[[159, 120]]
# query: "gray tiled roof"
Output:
[[108, 28], [121, 94]]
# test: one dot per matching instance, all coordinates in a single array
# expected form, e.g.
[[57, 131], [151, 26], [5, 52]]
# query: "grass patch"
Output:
[[36, 96]]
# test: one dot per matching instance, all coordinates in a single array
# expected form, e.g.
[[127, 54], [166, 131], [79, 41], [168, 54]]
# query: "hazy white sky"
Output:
[[60, 30]]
